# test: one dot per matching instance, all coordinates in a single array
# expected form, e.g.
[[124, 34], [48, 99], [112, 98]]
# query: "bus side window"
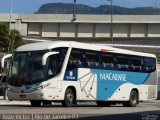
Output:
[[75, 60], [122, 63], [62, 52], [149, 64], [98, 61], [92, 60], [107, 61], [53, 68], [136, 65]]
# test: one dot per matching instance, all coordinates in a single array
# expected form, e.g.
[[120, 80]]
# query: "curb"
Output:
[[152, 101], [8, 102]]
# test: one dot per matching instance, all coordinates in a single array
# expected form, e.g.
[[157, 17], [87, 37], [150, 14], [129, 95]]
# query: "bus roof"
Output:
[[54, 44]]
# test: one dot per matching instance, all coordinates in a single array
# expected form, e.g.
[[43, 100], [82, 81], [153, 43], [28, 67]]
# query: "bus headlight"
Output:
[[10, 89], [41, 87]]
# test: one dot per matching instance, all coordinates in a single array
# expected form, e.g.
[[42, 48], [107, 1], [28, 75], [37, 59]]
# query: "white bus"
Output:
[[68, 72]]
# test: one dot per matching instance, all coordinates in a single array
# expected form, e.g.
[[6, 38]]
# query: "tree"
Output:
[[9, 39]]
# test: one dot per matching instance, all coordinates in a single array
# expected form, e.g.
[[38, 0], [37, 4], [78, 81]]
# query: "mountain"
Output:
[[67, 8]]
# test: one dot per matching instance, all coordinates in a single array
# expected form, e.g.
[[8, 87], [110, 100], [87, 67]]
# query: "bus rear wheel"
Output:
[[35, 103], [68, 98], [133, 100]]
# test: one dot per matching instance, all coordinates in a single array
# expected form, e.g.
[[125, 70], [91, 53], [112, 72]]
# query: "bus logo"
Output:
[[70, 73]]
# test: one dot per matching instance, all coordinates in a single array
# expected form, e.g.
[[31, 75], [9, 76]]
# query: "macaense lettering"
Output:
[[112, 76]]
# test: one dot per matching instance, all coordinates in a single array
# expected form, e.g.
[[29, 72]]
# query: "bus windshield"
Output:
[[26, 68]]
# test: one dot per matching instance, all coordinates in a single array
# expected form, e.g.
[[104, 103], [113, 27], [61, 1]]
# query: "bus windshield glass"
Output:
[[26, 68]]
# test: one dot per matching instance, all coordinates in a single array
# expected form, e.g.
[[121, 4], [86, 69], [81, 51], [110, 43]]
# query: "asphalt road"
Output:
[[144, 111]]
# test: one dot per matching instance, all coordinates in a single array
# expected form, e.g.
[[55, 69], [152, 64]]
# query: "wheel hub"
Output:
[[69, 97]]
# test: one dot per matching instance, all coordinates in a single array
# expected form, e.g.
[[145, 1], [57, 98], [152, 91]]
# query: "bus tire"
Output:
[[35, 103], [68, 98], [133, 99]]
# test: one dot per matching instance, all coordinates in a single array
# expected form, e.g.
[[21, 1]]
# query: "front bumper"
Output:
[[36, 95]]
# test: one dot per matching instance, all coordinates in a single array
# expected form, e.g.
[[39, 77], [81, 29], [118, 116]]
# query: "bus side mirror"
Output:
[[46, 55], [3, 60]]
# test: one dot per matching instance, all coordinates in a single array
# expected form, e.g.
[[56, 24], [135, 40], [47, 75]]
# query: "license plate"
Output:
[[22, 96]]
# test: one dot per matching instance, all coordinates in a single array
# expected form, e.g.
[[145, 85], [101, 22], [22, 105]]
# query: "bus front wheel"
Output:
[[133, 100], [68, 98], [35, 103]]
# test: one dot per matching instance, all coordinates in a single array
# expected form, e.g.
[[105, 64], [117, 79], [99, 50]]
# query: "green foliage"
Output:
[[9, 39]]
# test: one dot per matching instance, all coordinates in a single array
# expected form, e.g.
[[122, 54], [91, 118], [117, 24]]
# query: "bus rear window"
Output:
[[149, 64]]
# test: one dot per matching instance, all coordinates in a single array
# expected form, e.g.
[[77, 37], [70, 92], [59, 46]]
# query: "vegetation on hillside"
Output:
[[67, 8]]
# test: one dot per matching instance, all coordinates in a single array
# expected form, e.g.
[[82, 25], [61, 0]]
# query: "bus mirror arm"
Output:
[[46, 55], [3, 60]]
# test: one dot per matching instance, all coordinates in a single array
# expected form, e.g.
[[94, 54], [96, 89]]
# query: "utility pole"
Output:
[[10, 20], [74, 10], [11, 8], [6, 82], [155, 7], [111, 28]]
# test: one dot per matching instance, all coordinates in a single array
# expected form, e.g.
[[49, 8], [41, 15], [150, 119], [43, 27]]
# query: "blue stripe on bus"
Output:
[[33, 85], [108, 81]]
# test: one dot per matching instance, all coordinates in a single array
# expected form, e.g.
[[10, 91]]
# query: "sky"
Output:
[[31, 6]]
